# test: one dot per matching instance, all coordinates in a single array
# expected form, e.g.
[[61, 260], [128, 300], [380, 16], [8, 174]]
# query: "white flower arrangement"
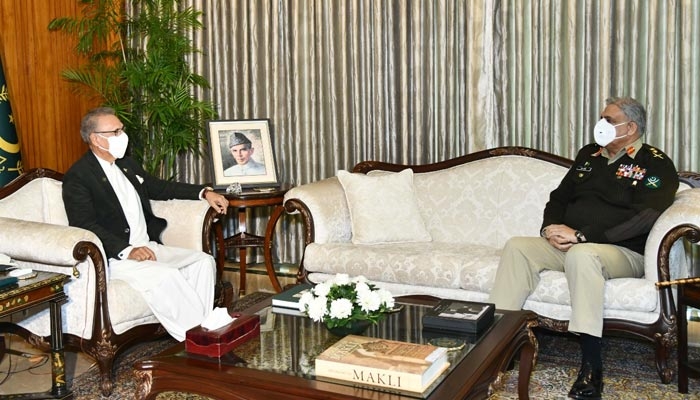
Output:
[[341, 300]]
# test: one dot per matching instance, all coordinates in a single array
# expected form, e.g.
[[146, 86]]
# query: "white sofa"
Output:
[[102, 316], [470, 206]]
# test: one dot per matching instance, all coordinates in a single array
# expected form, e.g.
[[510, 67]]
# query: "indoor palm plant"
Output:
[[137, 64]]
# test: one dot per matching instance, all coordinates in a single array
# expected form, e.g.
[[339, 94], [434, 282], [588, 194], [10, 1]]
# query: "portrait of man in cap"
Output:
[[242, 150]]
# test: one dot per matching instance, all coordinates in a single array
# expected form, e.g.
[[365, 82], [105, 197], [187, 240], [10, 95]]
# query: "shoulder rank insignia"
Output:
[[656, 153], [582, 170], [652, 182]]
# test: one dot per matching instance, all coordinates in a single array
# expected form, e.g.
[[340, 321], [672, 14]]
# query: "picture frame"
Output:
[[253, 164]]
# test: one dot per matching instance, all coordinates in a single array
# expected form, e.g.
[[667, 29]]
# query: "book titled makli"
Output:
[[382, 363]]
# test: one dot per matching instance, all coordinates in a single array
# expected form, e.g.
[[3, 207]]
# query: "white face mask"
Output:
[[605, 133], [117, 145]]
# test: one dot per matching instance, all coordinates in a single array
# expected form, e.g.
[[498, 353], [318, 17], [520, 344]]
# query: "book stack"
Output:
[[381, 363], [8, 283], [457, 316], [287, 302]]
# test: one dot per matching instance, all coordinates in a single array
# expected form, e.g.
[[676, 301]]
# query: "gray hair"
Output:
[[88, 124], [632, 109]]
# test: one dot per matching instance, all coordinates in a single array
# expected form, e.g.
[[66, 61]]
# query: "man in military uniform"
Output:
[[242, 151], [595, 227]]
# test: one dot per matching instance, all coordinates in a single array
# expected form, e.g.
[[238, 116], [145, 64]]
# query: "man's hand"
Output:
[[216, 201], [560, 236], [142, 254]]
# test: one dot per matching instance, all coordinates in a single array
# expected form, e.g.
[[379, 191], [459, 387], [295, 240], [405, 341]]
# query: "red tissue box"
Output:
[[217, 342]]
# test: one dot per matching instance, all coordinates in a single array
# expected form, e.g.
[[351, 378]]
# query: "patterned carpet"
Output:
[[630, 372], [87, 385]]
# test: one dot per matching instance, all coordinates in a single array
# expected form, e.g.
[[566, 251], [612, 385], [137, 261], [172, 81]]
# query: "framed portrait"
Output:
[[241, 151]]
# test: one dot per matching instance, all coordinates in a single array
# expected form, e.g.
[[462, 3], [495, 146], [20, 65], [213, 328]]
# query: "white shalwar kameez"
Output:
[[179, 285]]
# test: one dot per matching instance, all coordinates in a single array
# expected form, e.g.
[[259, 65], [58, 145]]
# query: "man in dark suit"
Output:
[[110, 194]]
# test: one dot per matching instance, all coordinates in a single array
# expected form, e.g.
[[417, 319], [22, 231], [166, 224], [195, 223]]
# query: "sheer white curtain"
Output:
[[423, 81], [561, 59]]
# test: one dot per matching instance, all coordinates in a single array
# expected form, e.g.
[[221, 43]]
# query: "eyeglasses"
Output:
[[115, 132]]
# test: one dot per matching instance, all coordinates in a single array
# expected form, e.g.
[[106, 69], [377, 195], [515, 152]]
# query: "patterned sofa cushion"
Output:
[[426, 263], [383, 208], [621, 294], [26, 204], [487, 201]]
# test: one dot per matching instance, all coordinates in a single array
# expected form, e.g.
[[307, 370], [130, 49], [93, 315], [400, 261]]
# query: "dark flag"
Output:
[[10, 157]]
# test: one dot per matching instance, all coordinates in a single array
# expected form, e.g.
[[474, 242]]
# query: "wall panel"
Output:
[[47, 114]]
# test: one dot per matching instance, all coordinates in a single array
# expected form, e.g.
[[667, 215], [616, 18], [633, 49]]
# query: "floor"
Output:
[[30, 370]]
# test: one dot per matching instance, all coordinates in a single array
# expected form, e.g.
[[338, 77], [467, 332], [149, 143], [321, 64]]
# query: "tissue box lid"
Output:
[[216, 342]]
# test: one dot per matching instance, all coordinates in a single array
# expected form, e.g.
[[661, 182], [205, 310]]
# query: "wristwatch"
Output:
[[204, 192], [579, 236]]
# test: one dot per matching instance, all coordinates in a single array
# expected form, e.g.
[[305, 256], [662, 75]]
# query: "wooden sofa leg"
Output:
[[104, 352], [664, 344], [106, 382]]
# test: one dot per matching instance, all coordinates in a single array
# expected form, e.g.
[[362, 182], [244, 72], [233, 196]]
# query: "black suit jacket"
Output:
[[92, 204]]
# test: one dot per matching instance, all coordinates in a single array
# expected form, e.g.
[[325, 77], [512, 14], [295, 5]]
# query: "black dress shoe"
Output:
[[588, 385]]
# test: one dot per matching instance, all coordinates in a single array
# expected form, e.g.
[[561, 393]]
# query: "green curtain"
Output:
[[423, 81]]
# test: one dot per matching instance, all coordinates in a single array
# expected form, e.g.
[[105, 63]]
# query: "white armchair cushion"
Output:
[[54, 211], [126, 310], [684, 210], [27, 203], [383, 208], [325, 200], [629, 294], [19, 239], [185, 218]]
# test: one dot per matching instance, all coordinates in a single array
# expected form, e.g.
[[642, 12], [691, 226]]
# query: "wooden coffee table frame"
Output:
[[46, 288], [472, 378]]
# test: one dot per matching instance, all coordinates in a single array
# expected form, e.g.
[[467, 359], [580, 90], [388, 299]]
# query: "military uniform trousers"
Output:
[[586, 266]]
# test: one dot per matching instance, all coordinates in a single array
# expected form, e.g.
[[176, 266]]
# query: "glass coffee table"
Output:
[[280, 363]]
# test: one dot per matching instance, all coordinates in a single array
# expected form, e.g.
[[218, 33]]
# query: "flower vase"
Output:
[[351, 328]]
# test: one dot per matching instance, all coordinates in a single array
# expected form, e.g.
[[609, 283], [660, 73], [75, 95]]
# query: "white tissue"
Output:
[[19, 273], [217, 318]]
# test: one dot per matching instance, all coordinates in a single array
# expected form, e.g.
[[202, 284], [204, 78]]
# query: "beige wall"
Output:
[[46, 113]]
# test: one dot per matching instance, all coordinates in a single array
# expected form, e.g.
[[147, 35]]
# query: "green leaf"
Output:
[[136, 64]]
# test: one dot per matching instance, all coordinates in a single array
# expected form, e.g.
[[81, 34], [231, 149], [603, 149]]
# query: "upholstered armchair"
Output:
[[102, 317]]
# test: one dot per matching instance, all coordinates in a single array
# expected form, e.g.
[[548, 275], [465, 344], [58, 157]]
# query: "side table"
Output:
[[688, 296], [250, 198], [45, 288]]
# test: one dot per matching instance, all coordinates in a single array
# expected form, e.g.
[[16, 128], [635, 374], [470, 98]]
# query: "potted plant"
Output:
[[137, 64]]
